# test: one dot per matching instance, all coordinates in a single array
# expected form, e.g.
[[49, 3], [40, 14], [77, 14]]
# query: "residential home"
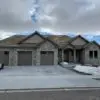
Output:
[[37, 49]]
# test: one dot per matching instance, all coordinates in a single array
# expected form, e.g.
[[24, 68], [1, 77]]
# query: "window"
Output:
[[43, 52], [6, 52], [72, 53], [91, 54], [95, 54]]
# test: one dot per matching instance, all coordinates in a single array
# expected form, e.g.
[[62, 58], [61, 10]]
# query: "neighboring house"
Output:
[[37, 49]]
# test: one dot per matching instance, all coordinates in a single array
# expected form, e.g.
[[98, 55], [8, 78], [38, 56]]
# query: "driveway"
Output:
[[36, 77]]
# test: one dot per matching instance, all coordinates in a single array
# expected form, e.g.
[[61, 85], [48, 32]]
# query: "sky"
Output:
[[55, 16]]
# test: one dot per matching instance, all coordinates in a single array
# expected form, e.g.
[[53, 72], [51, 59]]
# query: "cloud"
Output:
[[14, 15], [59, 16], [70, 15]]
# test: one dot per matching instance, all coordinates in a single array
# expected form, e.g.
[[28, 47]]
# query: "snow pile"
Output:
[[96, 75], [65, 64], [86, 69]]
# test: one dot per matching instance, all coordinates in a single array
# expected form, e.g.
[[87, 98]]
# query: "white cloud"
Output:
[[4, 34]]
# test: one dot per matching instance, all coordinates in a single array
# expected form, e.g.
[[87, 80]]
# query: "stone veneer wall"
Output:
[[13, 56], [47, 46], [94, 61]]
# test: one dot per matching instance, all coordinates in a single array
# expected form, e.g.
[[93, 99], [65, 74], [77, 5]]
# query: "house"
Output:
[[37, 49]]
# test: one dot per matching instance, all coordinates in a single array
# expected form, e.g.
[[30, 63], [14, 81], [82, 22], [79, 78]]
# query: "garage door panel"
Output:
[[47, 57], [24, 58]]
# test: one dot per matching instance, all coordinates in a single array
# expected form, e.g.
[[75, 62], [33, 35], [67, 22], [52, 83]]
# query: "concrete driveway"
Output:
[[39, 77]]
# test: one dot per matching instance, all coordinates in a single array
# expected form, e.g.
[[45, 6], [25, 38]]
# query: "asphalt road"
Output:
[[51, 95]]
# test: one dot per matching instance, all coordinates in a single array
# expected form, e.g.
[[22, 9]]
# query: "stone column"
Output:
[[37, 57], [34, 57], [62, 55], [55, 57], [13, 58], [74, 55]]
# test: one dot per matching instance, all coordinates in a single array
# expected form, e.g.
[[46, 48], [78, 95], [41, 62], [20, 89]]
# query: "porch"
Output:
[[73, 55]]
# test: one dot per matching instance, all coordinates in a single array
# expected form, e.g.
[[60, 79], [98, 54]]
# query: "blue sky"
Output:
[[53, 16]]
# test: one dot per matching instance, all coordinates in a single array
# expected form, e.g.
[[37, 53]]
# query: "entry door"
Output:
[[78, 56], [47, 58]]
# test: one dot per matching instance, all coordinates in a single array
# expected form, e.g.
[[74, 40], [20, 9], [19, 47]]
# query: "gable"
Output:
[[34, 39], [68, 46], [93, 46], [47, 46], [78, 41]]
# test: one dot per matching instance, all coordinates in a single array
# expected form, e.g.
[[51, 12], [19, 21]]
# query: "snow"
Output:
[[86, 69], [66, 64], [35, 77]]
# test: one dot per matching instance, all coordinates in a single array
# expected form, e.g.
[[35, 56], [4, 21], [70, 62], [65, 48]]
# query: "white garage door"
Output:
[[24, 58]]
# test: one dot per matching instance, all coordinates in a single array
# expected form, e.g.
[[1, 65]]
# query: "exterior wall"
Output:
[[47, 46], [93, 61], [79, 41], [34, 39], [13, 56]]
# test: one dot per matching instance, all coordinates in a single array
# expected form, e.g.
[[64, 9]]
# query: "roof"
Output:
[[92, 42], [78, 36], [13, 39], [57, 40], [42, 36], [61, 40]]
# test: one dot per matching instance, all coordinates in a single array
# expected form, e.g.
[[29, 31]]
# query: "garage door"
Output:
[[24, 58], [4, 57], [47, 58]]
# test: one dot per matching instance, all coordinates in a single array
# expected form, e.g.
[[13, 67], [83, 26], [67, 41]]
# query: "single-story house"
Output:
[[38, 49]]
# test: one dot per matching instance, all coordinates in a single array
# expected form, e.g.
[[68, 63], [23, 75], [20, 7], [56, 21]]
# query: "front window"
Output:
[[91, 54], [95, 54]]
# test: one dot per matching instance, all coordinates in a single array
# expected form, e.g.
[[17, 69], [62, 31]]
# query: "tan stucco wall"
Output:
[[78, 41], [34, 39], [92, 60]]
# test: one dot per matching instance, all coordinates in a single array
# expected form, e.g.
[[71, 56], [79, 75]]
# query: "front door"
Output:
[[68, 55], [78, 56]]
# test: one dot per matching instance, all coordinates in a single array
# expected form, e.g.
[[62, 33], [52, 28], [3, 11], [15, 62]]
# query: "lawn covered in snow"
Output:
[[33, 77]]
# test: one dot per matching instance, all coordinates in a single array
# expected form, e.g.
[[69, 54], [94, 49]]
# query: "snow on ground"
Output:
[[31, 77], [88, 69]]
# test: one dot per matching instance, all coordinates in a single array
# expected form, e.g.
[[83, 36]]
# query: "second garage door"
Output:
[[24, 58], [47, 58]]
